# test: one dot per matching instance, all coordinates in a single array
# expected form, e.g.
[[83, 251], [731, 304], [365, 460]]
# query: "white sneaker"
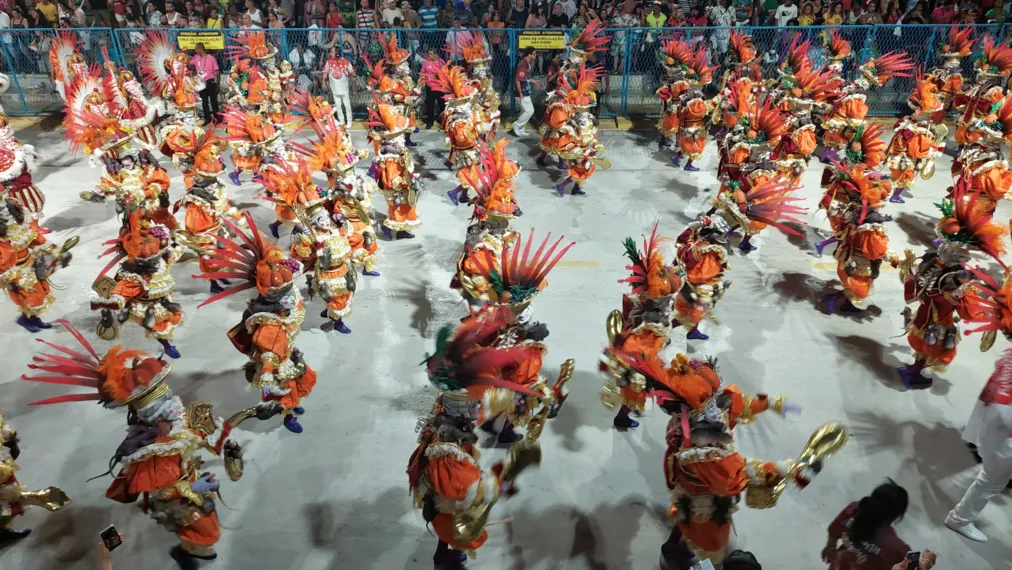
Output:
[[968, 530], [521, 133]]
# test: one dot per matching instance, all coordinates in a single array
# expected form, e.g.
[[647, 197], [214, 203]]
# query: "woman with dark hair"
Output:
[[862, 536]]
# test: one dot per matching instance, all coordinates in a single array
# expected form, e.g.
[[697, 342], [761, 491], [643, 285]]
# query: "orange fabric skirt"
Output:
[[856, 287], [298, 389], [935, 355], [689, 311], [31, 301], [205, 531]]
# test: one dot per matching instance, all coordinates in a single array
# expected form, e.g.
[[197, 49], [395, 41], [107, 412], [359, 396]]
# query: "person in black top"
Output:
[[558, 19], [517, 15]]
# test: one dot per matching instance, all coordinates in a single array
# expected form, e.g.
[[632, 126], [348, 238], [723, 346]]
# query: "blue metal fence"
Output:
[[633, 73]]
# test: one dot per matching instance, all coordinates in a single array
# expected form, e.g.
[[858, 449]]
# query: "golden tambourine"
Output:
[[827, 440], [987, 340], [613, 325], [928, 170], [51, 498]]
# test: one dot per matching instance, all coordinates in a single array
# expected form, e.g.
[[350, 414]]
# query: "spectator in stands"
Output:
[[915, 16], [568, 6], [433, 100], [212, 20], [862, 536], [697, 18], [445, 16], [412, 19], [35, 18], [119, 13], [517, 15], [943, 13], [365, 17], [232, 17], [390, 12], [451, 38], [462, 11], [677, 19], [558, 19], [339, 75], [316, 14], [536, 19], [522, 86], [302, 60], [254, 13], [195, 21], [247, 23], [836, 15], [786, 12], [429, 15], [996, 15], [274, 7], [49, 11], [807, 15], [206, 67]]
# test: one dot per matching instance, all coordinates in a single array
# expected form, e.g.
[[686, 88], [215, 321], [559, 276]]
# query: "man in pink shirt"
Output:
[[432, 99], [943, 13], [207, 70]]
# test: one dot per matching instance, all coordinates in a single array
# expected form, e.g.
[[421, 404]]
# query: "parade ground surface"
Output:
[[336, 497]]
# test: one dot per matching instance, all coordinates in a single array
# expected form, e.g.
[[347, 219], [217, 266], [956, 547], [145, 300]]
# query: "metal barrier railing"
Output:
[[629, 86]]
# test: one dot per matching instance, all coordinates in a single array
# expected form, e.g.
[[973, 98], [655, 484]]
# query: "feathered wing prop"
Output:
[[641, 260], [769, 121], [871, 146], [990, 305], [525, 276], [741, 44], [797, 54], [960, 40], [236, 258], [818, 84], [592, 38], [773, 203], [837, 46], [890, 65], [64, 45], [973, 227], [153, 55], [91, 130]]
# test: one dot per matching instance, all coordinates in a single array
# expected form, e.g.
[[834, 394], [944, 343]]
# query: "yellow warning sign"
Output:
[[212, 40], [543, 39]]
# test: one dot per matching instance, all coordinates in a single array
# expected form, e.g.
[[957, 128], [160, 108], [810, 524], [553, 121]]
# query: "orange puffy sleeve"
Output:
[[804, 141], [128, 289], [705, 270], [463, 134], [744, 406], [872, 244], [695, 110], [391, 171], [854, 109], [451, 477], [557, 117], [198, 220], [270, 337], [152, 474], [724, 477], [529, 367], [645, 342], [159, 178], [8, 256], [919, 146]]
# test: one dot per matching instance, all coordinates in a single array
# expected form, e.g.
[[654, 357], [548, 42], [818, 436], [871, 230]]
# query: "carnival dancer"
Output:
[[948, 78], [703, 473], [404, 92], [135, 108], [158, 457], [141, 291], [746, 79], [165, 71], [941, 284], [319, 244], [809, 95], [693, 107], [13, 497], [988, 429], [490, 231], [672, 58], [515, 281], [206, 203], [334, 154], [454, 491], [982, 158], [394, 169], [916, 139], [993, 65], [577, 142], [17, 164], [470, 46], [644, 323], [256, 142], [266, 333], [26, 262], [460, 122], [764, 198], [851, 110], [558, 111], [584, 48], [838, 50], [65, 61]]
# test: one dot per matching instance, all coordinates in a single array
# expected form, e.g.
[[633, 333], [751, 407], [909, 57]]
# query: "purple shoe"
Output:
[[541, 159], [373, 171], [274, 226], [677, 159], [405, 235], [371, 273], [170, 350], [215, 287], [562, 164], [292, 424], [746, 246], [695, 334], [27, 324], [913, 379], [234, 177], [822, 244], [622, 419], [35, 320], [340, 327], [690, 168], [895, 198], [298, 410], [577, 191], [386, 232], [561, 188], [831, 300], [453, 196]]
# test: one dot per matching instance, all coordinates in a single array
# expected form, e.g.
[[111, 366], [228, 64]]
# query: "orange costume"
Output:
[[141, 291], [702, 260], [577, 144], [913, 146], [400, 90], [948, 78], [851, 109], [692, 108], [809, 93], [494, 208], [454, 491], [982, 159], [166, 73], [17, 164], [159, 461], [703, 473], [941, 285], [134, 109], [470, 46], [461, 123], [994, 65], [643, 325], [65, 61], [394, 169], [672, 59]]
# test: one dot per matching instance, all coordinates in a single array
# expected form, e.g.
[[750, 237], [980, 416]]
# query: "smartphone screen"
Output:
[[111, 538]]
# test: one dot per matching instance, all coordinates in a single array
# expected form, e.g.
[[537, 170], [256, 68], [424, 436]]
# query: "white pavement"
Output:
[[336, 496]]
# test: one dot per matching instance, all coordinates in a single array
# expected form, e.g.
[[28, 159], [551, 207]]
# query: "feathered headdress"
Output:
[[591, 40], [867, 145], [837, 48], [764, 123], [94, 132], [520, 279], [331, 150], [965, 225], [796, 57], [651, 276], [89, 89], [291, 183], [385, 121], [924, 99], [990, 305], [995, 60], [742, 50], [881, 69], [692, 383], [452, 81], [154, 57], [862, 185], [997, 124], [377, 76], [64, 45], [392, 54], [960, 42], [770, 202], [244, 125], [465, 364], [306, 108], [122, 377], [582, 96], [470, 46], [250, 259], [250, 44], [816, 84], [495, 183], [204, 148]]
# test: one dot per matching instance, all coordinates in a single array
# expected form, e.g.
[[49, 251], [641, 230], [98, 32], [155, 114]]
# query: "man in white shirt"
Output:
[[254, 13], [171, 16], [568, 8], [391, 11], [302, 60], [339, 72], [786, 12]]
